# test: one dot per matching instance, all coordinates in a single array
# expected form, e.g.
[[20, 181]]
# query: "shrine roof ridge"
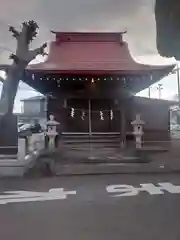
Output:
[[89, 32], [89, 36]]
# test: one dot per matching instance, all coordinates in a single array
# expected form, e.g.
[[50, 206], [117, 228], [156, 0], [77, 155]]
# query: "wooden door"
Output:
[[100, 115], [76, 120], [104, 116]]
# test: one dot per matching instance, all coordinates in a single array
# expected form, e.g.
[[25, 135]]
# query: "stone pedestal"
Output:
[[138, 131]]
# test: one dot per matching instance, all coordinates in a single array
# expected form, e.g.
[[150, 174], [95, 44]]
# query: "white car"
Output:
[[175, 127], [24, 127]]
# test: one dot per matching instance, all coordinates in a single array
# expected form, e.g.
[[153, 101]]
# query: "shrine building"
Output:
[[90, 81]]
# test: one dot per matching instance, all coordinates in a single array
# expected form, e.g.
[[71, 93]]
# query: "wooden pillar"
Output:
[[123, 127], [89, 116], [46, 106]]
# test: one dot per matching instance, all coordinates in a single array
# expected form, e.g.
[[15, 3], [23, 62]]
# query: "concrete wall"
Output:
[[156, 115]]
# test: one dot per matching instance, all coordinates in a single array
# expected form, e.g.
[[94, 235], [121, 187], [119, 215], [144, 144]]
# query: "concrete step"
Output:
[[87, 141], [91, 137], [101, 140], [95, 146]]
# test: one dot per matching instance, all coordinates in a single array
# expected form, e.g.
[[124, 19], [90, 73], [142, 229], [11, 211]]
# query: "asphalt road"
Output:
[[92, 213]]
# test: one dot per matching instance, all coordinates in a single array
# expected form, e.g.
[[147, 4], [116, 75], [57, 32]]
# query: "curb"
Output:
[[100, 169], [17, 168]]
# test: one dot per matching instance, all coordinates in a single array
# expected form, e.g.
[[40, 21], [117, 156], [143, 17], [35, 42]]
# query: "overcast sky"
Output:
[[135, 16]]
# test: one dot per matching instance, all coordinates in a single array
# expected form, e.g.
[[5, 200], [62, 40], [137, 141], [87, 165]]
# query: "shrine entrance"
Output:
[[92, 116]]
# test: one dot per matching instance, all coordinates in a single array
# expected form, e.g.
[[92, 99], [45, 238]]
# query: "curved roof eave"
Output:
[[138, 69]]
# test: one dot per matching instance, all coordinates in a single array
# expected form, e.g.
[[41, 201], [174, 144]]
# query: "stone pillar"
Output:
[[32, 143], [22, 148], [123, 128], [138, 130], [41, 141]]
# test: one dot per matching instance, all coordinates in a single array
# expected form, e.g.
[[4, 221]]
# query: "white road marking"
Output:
[[27, 196], [115, 191], [125, 190], [128, 190]]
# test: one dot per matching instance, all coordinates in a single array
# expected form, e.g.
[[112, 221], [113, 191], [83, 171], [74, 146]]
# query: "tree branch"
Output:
[[29, 29], [14, 58], [15, 33], [38, 51]]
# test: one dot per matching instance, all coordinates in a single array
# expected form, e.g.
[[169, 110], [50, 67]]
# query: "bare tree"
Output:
[[23, 56]]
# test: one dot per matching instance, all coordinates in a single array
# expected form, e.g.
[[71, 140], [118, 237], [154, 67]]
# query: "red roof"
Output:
[[91, 53]]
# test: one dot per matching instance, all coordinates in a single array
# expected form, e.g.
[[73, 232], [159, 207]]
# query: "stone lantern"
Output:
[[138, 130], [52, 131]]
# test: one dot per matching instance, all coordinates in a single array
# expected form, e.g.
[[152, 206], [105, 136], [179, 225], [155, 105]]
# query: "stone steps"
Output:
[[86, 141]]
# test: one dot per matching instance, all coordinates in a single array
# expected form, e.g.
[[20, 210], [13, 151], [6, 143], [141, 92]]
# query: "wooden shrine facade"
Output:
[[92, 78], [112, 116], [86, 115]]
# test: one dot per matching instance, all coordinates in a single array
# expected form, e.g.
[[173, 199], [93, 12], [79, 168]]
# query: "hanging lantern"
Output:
[[72, 112], [33, 76], [92, 80], [101, 116], [111, 115], [83, 115]]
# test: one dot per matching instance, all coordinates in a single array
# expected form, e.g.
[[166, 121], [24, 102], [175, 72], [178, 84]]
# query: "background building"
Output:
[[34, 108]]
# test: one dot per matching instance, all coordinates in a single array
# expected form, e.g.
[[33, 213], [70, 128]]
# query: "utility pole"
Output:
[[159, 88], [149, 92], [178, 83], [149, 88], [176, 71]]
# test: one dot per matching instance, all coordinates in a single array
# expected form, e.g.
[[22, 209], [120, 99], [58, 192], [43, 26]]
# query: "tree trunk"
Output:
[[8, 134], [8, 122], [8, 94], [10, 87]]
